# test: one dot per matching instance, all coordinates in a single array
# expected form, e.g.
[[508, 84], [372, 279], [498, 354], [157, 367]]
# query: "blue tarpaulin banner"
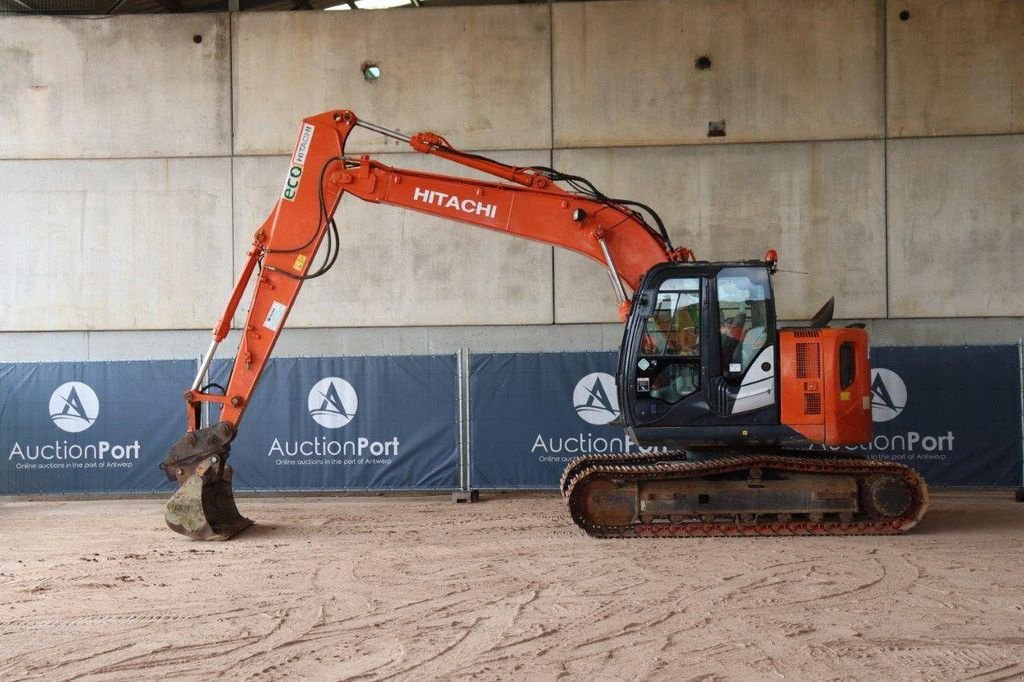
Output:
[[391, 423], [89, 427], [532, 413], [952, 413], [359, 423]]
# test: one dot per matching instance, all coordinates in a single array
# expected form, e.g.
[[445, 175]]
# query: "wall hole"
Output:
[[371, 72], [716, 128], [703, 62], [904, 15], [197, 39]]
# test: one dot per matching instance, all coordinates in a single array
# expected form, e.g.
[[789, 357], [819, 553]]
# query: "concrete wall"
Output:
[[132, 86], [480, 72], [956, 226], [955, 67], [738, 201], [135, 163], [624, 72], [398, 268], [114, 244]]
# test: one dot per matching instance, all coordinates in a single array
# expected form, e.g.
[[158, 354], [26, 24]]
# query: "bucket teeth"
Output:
[[203, 508]]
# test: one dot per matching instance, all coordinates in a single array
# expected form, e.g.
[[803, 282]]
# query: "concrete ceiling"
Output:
[[108, 7]]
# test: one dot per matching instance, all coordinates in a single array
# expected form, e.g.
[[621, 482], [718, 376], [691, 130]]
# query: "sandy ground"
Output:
[[418, 587]]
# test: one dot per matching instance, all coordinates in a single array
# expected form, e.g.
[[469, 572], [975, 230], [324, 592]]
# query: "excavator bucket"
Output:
[[203, 508]]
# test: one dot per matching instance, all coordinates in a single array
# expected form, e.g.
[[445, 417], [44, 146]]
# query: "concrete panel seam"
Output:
[[231, 133], [397, 152], [777, 141], [172, 157], [885, 143], [725, 143]]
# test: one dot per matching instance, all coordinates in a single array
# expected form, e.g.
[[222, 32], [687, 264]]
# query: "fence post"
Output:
[[464, 493], [1019, 495]]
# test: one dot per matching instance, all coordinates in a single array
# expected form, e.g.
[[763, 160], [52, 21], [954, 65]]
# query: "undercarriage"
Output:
[[667, 494]]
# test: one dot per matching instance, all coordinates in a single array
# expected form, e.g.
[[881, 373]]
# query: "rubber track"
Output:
[[632, 467], [620, 458]]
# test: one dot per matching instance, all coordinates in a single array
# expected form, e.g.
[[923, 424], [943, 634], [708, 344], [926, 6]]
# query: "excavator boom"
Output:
[[284, 247], [528, 204]]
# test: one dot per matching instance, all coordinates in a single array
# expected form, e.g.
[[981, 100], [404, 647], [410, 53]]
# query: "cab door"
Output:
[[699, 348], [744, 380], [664, 358]]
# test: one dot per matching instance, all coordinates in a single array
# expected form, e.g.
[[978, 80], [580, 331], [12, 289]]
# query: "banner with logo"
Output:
[[950, 412], [359, 423], [531, 414], [89, 427], [379, 423]]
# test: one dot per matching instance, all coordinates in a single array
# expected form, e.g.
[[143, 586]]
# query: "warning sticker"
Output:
[[275, 316]]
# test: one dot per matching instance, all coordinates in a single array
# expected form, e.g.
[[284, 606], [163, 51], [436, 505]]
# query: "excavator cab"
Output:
[[699, 355], [731, 413]]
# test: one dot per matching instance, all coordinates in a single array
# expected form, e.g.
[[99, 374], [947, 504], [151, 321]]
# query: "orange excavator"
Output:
[[725, 404]]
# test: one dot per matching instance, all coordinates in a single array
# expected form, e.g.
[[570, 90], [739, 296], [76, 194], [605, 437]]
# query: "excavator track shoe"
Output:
[[204, 507]]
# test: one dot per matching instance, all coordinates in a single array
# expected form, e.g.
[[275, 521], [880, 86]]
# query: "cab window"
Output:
[[744, 301], [669, 362], [847, 364], [674, 326]]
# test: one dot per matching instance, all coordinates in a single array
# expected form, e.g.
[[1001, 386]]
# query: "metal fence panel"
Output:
[[360, 423], [89, 427], [532, 413], [953, 413]]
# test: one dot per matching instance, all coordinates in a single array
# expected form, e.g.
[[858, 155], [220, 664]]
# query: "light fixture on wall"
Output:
[[371, 72], [371, 4]]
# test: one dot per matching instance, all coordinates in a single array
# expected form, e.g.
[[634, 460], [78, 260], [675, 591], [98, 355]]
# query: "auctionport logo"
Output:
[[332, 402], [595, 399], [888, 395], [74, 407], [596, 402]]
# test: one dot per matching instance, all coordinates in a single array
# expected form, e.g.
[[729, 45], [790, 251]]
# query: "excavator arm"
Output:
[[526, 202]]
